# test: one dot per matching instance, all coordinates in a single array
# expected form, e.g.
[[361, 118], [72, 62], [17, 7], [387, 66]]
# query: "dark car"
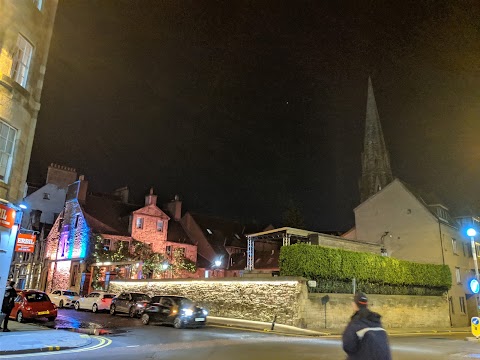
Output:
[[175, 310], [33, 304], [130, 303]]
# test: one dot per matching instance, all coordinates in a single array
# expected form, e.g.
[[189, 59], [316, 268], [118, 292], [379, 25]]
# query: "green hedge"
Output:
[[322, 263]]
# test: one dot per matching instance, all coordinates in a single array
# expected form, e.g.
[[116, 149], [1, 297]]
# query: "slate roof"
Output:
[[107, 214], [177, 234]]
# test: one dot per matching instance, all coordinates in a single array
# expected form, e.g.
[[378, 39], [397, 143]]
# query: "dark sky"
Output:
[[243, 106]]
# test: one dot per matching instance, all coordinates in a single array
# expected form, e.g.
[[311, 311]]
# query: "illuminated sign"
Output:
[[474, 286], [25, 243], [7, 216], [475, 326]]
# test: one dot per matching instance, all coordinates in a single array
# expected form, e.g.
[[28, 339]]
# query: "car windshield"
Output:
[[155, 299], [108, 296], [183, 302], [70, 293], [36, 297], [140, 297]]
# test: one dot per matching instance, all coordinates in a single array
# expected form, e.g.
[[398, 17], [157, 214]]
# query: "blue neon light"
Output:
[[474, 286]]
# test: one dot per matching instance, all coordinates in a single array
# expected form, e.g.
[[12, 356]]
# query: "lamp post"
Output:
[[472, 233]]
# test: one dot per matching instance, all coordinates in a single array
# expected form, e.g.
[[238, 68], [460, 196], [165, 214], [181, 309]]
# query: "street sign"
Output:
[[7, 216], [476, 326], [25, 243]]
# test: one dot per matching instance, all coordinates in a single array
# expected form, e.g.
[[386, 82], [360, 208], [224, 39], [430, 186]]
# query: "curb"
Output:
[[38, 350]]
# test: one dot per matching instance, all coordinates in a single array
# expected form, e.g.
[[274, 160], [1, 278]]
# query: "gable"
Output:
[[152, 210]]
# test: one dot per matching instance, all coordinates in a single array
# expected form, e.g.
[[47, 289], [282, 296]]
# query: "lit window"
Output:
[[457, 274], [159, 225], [106, 244], [181, 251], [38, 4], [168, 250], [7, 140], [139, 223], [209, 231], [454, 246], [21, 60]]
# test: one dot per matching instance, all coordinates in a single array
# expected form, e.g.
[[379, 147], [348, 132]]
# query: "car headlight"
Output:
[[205, 312], [140, 305], [188, 312]]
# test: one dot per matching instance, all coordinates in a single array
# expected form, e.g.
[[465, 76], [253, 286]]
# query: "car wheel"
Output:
[[77, 306], [60, 304], [94, 308], [112, 309], [52, 318], [131, 312], [20, 318], [177, 323], [145, 319]]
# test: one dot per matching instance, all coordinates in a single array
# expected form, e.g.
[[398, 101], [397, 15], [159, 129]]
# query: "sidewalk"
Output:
[[292, 330], [29, 338]]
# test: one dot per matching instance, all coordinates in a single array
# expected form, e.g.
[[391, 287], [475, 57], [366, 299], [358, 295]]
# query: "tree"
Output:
[[292, 217]]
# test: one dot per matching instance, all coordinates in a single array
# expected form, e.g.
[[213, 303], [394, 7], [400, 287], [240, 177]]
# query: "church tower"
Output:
[[376, 170]]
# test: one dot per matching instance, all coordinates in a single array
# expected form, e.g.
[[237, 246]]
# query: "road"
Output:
[[132, 340]]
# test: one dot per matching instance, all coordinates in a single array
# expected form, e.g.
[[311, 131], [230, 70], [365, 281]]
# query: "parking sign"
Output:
[[476, 326]]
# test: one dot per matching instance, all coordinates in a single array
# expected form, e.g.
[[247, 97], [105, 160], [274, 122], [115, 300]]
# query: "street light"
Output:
[[472, 233]]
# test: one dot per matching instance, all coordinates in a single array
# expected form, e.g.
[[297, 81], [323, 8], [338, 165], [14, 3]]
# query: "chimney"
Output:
[[151, 199], [82, 191], [174, 208], [122, 194], [60, 175]]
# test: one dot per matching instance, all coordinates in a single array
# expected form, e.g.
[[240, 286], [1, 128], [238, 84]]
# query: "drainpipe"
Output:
[[443, 261]]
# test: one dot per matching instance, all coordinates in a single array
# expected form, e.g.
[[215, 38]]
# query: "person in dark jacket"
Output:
[[364, 337], [8, 303]]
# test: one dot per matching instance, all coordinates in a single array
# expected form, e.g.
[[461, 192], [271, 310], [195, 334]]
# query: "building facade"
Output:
[[25, 31]]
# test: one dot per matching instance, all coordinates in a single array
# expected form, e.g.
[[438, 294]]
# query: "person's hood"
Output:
[[371, 320]]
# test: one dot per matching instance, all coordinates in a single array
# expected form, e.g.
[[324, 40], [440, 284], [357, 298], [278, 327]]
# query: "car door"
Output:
[[55, 297], [121, 301], [167, 310], [89, 300]]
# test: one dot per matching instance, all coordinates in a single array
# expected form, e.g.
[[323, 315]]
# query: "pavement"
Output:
[[33, 338]]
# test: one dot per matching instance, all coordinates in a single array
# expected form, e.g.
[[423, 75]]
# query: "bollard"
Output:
[[273, 323]]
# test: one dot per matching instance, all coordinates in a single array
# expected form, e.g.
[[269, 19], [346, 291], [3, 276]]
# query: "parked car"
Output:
[[178, 311], [95, 301], [33, 304], [64, 298], [130, 303]]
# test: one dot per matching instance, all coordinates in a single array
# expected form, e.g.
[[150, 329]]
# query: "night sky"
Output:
[[242, 107]]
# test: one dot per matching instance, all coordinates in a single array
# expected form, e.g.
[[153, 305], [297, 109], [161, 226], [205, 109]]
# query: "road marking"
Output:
[[102, 342], [265, 331], [133, 345]]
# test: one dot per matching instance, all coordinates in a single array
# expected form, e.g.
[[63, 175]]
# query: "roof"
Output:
[[221, 233], [107, 214], [262, 260], [177, 234]]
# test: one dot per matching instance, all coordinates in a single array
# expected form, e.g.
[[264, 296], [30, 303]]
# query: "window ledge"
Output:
[[6, 82]]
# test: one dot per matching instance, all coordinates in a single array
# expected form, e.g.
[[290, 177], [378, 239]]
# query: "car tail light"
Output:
[[104, 300], [28, 308]]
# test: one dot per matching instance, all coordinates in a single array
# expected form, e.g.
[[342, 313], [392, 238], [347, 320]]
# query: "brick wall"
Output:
[[260, 299]]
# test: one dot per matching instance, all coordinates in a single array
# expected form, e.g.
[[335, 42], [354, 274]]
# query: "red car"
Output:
[[33, 304]]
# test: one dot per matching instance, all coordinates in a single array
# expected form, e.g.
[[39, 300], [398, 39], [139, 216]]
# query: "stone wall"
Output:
[[260, 299], [397, 311]]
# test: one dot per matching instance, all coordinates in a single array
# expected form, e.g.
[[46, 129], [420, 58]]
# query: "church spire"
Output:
[[376, 171]]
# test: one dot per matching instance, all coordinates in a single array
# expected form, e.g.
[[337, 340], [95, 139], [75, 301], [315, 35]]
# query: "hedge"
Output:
[[322, 263]]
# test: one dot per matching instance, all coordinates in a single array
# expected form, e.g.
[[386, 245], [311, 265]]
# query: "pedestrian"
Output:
[[8, 303], [364, 337]]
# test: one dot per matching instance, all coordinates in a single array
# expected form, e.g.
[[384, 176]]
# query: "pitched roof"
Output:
[[107, 214], [177, 234]]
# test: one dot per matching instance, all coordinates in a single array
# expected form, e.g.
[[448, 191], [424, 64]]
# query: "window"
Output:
[[181, 251], [139, 223], [74, 272], [46, 196], [159, 225], [454, 246], [21, 61], [168, 250], [38, 4], [106, 244], [450, 301], [7, 140], [457, 275], [76, 221], [209, 231], [465, 250], [463, 309]]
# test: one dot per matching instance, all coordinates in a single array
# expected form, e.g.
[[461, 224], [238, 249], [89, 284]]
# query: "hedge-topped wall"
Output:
[[334, 270]]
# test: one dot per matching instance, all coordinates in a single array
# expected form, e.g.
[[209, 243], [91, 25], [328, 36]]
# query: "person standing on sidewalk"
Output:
[[8, 303], [364, 337]]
